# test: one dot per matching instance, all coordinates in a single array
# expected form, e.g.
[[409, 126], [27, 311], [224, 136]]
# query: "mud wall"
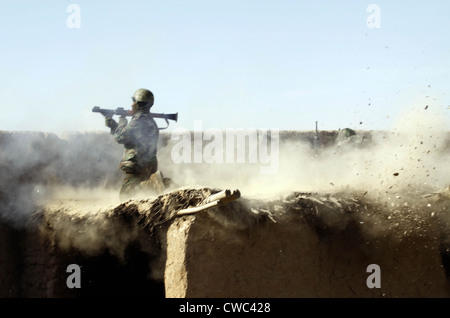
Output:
[[305, 245], [205, 259], [9, 262]]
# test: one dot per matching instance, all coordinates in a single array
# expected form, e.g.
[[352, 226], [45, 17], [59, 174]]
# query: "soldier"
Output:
[[140, 139], [346, 134], [348, 138]]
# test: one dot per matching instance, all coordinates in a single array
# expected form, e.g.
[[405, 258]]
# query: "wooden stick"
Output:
[[220, 198], [198, 208]]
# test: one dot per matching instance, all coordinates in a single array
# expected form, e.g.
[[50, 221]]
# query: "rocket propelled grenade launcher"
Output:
[[120, 111]]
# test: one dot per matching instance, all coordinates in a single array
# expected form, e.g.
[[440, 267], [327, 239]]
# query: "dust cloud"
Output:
[[397, 175], [413, 156], [37, 166]]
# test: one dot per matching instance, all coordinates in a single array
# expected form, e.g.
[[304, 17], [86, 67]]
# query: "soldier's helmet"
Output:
[[347, 132], [143, 96], [345, 135]]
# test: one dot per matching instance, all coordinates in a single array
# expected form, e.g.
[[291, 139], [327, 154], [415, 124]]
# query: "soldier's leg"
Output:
[[129, 184], [152, 180]]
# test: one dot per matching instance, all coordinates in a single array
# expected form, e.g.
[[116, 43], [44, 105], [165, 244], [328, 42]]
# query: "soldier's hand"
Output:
[[123, 121], [108, 121]]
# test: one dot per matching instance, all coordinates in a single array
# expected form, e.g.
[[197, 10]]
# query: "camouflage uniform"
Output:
[[140, 139]]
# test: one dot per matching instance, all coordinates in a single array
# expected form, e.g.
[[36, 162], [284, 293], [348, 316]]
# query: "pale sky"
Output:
[[230, 63]]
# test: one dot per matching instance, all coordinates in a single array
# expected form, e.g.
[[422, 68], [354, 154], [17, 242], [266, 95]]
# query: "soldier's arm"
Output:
[[152, 136], [125, 133]]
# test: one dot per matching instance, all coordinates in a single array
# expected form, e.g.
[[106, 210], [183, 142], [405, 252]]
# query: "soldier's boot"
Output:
[[155, 183]]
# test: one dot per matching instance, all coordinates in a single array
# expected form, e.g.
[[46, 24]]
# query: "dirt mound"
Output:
[[91, 229]]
